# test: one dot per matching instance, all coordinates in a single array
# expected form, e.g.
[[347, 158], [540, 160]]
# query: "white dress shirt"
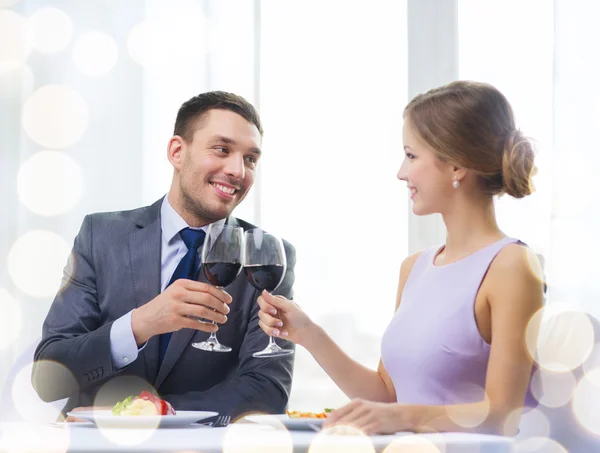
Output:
[[123, 347]]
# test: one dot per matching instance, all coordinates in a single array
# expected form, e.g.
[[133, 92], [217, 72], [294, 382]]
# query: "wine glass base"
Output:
[[273, 351], [211, 346]]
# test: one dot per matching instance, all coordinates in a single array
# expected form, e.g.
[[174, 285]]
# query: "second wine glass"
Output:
[[222, 263], [265, 265]]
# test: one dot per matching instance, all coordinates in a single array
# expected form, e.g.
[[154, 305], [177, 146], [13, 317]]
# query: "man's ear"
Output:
[[176, 151]]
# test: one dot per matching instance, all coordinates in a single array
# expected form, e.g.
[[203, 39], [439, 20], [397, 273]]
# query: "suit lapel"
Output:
[[179, 341], [145, 253], [182, 338], [232, 221]]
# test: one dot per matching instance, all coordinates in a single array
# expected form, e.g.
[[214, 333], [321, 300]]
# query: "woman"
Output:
[[454, 356]]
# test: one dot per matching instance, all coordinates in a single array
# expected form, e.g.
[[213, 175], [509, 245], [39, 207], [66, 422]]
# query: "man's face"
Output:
[[215, 171]]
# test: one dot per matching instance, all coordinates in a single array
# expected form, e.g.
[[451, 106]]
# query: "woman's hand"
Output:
[[370, 417], [280, 317]]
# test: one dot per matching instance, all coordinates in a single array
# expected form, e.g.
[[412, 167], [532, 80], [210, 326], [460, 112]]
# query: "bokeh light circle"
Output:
[[34, 437], [15, 40], [535, 265], [156, 42], [341, 439], [265, 433], [538, 445], [95, 53], [52, 30], [49, 183], [36, 261], [11, 319], [593, 361], [17, 83], [553, 389], [586, 401], [26, 400], [530, 423], [117, 389], [412, 444], [559, 337], [55, 116]]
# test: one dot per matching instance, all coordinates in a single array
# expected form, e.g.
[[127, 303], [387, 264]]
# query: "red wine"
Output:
[[264, 276], [221, 274]]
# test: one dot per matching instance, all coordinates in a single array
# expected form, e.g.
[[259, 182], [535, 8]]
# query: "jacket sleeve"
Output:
[[75, 348]]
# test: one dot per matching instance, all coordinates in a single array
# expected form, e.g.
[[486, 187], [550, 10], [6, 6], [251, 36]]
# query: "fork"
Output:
[[219, 422]]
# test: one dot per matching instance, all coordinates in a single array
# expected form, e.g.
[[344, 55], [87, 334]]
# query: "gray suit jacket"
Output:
[[114, 268]]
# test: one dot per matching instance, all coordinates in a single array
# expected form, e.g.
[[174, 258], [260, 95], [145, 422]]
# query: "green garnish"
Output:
[[122, 405], [328, 410]]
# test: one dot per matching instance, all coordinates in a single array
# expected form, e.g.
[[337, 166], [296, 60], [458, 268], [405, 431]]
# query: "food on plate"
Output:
[[300, 414], [144, 404]]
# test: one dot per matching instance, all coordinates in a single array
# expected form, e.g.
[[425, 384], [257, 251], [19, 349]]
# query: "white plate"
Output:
[[296, 424], [70, 424], [106, 419]]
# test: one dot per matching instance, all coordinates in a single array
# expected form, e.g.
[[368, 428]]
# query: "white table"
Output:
[[236, 438]]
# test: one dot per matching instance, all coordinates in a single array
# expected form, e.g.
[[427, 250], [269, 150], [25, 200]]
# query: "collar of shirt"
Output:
[[171, 223]]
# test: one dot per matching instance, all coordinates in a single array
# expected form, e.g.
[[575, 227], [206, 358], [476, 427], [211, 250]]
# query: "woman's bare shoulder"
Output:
[[408, 263], [517, 258], [516, 266], [405, 269]]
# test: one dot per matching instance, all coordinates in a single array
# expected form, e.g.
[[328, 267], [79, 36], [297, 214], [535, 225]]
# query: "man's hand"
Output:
[[177, 307], [71, 418]]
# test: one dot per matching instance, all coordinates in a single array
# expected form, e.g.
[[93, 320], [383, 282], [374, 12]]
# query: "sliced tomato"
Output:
[[166, 408], [162, 407], [146, 395]]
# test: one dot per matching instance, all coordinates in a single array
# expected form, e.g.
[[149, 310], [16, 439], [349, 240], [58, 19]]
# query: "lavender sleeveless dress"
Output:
[[432, 349]]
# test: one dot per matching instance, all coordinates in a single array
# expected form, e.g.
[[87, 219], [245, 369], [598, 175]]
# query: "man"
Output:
[[110, 325]]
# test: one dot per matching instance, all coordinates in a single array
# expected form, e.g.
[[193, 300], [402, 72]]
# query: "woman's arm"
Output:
[[515, 294], [353, 378]]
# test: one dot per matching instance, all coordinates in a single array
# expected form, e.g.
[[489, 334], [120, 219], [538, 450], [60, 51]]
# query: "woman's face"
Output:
[[428, 178]]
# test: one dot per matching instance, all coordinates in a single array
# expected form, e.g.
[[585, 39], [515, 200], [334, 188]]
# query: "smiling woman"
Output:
[[453, 357]]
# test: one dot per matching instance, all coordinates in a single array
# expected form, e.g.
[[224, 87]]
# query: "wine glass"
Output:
[[222, 263], [265, 265]]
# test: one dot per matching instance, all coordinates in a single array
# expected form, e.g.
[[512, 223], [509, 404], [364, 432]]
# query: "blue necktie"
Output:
[[187, 268]]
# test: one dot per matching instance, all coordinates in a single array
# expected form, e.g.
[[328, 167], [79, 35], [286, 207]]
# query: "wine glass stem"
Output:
[[212, 337], [272, 342]]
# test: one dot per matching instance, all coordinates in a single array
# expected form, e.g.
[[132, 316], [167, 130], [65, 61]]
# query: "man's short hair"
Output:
[[192, 112]]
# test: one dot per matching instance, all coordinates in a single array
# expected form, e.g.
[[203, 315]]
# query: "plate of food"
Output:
[[293, 420], [143, 411]]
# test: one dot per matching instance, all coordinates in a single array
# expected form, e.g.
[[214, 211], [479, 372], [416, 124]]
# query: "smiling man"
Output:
[[124, 321]]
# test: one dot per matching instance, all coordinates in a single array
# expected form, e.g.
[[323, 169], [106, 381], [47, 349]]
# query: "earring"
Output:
[[456, 183]]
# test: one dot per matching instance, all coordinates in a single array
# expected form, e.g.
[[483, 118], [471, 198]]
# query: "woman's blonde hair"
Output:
[[472, 125]]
